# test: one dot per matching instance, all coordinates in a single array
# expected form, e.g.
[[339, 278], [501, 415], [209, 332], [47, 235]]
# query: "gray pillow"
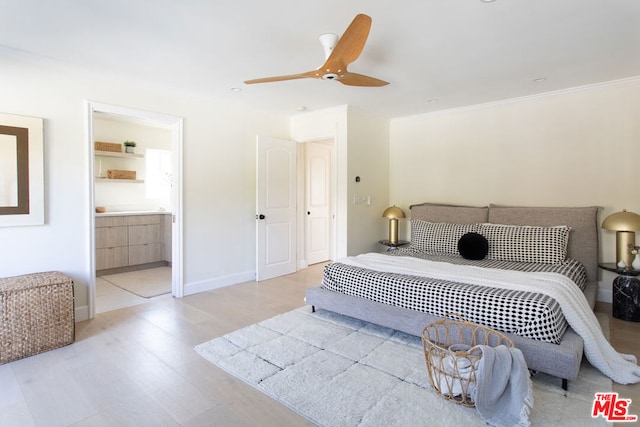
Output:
[[452, 214]]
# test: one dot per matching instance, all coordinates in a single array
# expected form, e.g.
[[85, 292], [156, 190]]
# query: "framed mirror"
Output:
[[21, 171]]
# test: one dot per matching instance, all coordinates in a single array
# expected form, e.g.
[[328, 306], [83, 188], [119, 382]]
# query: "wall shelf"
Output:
[[130, 181], [116, 154]]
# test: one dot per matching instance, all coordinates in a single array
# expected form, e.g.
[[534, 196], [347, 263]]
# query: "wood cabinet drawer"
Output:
[[144, 219], [143, 234], [110, 221], [142, 254], [112, 257], [108, 237], [167, 230]]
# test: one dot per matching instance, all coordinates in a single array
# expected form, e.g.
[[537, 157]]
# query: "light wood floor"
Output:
[[136, 366], [625, 337]]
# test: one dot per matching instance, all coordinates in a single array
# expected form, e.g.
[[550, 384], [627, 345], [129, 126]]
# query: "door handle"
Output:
[[260, 216], [308, 212]]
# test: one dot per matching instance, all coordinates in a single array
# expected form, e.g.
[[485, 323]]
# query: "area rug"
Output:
[[338, 371], [147, 283]]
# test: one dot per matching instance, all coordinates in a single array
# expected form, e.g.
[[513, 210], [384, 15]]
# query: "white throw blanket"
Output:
[[503, 393], [621, 368]]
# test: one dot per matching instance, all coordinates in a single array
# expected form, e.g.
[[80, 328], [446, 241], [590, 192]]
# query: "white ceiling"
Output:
[[458, 52]]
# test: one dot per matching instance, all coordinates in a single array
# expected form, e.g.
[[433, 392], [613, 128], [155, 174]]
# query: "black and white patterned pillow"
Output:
[[438, 237], [522, 243]]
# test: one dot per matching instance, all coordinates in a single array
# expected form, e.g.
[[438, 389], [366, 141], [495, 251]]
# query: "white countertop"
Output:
[[128, 213]]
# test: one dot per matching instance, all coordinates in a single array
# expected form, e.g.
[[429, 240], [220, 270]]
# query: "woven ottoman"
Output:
[[36, 314]]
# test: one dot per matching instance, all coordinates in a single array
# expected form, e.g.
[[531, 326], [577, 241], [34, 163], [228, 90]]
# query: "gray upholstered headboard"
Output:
[[583, 240]]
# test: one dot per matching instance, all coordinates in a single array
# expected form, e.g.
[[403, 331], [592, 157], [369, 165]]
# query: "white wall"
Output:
[[218, 169], [368, 155], [571, 148]]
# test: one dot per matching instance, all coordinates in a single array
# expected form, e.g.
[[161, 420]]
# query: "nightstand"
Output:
[[626, 292], [395, 245]]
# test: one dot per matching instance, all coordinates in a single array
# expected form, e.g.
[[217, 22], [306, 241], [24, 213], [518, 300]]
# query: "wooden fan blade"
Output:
[[308, 74], [350, 44], [346, 51], [355, 79]]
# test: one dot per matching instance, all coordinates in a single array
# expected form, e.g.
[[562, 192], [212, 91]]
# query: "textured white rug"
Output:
[[339, 371]]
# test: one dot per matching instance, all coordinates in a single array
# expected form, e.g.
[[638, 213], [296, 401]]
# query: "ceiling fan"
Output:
[[339, 54]]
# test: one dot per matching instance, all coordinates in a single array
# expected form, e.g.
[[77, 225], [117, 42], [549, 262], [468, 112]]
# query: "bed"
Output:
[[568, 245]]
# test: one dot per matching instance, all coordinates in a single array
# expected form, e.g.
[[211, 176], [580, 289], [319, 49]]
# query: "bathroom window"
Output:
[[158, 177]]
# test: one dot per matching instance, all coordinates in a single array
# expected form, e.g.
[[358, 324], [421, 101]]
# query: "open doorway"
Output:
[[136, 206]]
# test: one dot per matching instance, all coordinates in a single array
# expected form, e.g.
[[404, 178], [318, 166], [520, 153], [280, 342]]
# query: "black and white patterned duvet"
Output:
[[528, 314]]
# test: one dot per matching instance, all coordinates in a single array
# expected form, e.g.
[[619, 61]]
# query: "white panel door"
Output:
[[318, 202], [276, 208]]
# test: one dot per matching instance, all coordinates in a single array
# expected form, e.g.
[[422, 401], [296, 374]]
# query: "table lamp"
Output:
[[624, 224], [393, 213]]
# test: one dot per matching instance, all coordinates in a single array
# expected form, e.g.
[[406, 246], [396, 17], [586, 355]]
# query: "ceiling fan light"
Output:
[[330, 76]]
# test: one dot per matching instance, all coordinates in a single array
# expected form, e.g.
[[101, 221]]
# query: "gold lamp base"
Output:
[[625, 239], [393, 230]]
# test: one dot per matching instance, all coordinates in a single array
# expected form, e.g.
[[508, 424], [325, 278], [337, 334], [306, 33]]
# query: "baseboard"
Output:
[[604, 295], [218, 282], [135, 267], [81, 313]]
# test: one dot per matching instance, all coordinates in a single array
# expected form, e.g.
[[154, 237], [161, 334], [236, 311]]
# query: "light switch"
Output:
[[359, 199]]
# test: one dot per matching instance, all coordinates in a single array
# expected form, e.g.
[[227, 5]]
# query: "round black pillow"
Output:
[[473, 246]]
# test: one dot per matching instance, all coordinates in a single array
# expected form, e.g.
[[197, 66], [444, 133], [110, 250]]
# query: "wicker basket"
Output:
[[108, 146], [452, 356], [121, 174], [36, 314]]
